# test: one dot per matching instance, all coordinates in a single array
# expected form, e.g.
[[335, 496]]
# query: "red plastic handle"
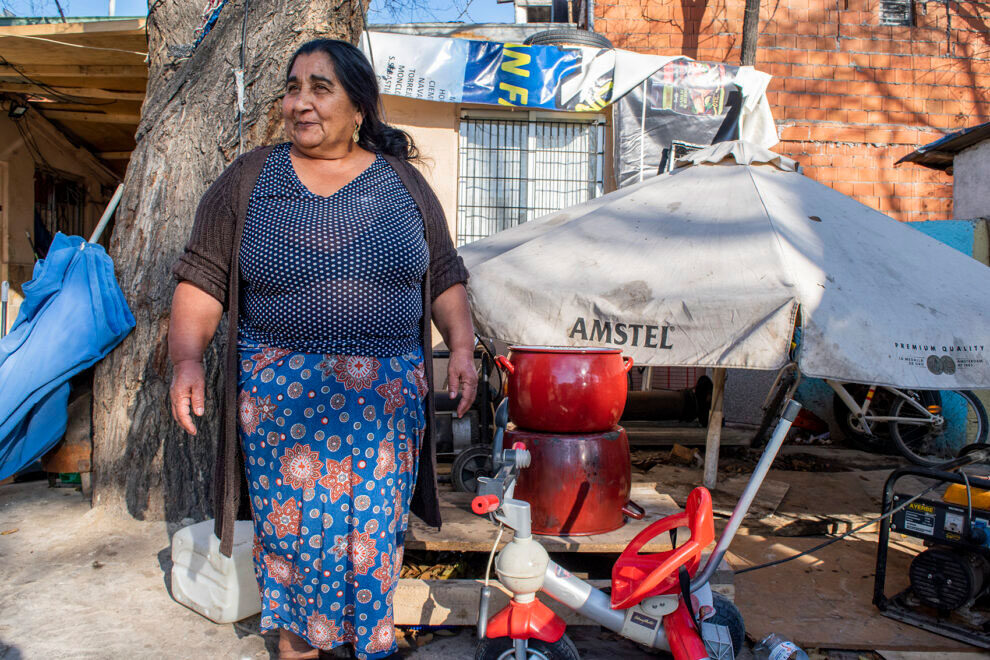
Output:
[[483, 504], [698, 518], [503, 362], [627, 363]]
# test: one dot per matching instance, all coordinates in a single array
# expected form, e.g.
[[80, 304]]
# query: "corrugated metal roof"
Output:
[[938, 155]]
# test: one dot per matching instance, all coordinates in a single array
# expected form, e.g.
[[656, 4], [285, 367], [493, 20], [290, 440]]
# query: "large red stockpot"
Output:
[[576, 483], [566, 390]]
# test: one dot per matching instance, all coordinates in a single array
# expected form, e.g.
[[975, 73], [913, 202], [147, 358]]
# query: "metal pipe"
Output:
[[749, 493], [111, 207], [578, 595], [4, 294]]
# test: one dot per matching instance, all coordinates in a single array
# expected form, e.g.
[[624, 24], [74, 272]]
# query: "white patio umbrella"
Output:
[[709, 265]]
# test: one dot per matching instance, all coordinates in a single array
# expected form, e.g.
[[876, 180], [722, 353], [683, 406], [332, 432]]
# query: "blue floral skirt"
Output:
[[331, 447]]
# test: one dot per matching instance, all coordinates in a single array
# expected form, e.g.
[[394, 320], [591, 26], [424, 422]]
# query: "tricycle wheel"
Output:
[[501, 648], [727, 614]]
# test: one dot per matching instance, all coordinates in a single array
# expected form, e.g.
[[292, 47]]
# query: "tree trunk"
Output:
[[143, 463], [750, 32]]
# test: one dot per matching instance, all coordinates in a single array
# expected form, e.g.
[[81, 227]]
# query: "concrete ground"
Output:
[[79, 584]]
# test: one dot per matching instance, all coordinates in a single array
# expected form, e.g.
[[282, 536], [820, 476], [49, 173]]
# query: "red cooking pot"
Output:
[[565, 390], [576, 483]]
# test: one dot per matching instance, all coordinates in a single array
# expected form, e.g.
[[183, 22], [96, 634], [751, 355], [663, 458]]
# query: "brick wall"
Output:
[[850, 96]]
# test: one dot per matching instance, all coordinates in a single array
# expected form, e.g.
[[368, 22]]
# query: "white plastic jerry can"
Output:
[[223, 589]]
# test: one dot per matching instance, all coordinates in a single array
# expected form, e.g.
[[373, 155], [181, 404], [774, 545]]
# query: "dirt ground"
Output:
[[79, 584]]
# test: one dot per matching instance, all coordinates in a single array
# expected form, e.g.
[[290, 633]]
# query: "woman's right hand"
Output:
[[187, 393]]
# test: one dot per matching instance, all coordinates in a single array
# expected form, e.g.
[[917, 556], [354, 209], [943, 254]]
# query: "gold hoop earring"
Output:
[[357, 130]]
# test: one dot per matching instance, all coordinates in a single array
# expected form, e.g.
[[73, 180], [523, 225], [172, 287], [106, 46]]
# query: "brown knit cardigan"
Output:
[[210, 262]]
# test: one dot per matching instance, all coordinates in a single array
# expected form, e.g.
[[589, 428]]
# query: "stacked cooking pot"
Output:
[[564, 406]]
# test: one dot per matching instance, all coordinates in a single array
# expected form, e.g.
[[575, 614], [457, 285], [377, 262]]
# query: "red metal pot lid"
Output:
[[565, 349]]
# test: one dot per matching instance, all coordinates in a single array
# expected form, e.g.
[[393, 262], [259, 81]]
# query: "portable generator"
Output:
[[949, 592]]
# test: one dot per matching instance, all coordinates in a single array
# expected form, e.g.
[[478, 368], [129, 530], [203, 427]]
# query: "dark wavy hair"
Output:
[[358, 79]]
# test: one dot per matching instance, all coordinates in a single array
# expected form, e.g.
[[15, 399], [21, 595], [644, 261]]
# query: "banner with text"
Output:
[[467, 71]]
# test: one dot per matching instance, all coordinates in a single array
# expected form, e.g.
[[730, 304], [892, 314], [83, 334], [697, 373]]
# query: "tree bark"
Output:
[[144, 464], [750, 32]]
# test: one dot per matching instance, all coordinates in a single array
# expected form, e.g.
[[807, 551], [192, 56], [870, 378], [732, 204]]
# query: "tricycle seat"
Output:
[[637, 576]]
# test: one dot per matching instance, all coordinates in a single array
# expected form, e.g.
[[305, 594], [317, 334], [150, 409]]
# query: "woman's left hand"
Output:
[[462, 378]]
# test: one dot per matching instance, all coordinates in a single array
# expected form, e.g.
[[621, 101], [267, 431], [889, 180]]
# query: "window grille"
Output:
[[896, 12], [59, 203], [513, 171]]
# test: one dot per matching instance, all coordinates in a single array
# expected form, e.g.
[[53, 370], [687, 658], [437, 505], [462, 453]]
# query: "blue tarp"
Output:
[[73, 314]]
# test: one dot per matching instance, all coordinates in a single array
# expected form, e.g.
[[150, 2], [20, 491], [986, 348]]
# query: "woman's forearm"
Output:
[[452, 316], [193, 322]]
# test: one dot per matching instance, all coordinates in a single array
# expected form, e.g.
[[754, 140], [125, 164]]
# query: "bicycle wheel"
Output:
[[879, 442], [964, 422]]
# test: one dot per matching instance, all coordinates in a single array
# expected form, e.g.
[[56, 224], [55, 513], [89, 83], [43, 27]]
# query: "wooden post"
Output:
[[714, 429]]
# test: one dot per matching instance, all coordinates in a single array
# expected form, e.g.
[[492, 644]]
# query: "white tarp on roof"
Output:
[[708, 265]]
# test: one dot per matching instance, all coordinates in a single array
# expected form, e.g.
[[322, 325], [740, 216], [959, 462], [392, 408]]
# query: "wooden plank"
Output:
[[464, 531], [92, 117], [647, 434], [455, 602], [678, 482], [102, 50], [767, 499], [52, 92], [825, 599], [130, 26], [78, 70]]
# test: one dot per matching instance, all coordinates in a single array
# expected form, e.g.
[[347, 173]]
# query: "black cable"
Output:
[[37, 155], [491, 357], [838, 538], [51, 91]]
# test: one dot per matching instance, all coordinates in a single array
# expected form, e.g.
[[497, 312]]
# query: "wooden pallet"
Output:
[[464, 531]]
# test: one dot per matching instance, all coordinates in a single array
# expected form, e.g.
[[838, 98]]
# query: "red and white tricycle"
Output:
[[661, 600]]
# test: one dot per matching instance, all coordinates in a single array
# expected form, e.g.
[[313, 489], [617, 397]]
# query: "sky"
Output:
[[382, 11]]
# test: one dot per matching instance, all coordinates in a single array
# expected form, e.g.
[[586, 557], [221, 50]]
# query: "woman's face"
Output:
[[319, 116]]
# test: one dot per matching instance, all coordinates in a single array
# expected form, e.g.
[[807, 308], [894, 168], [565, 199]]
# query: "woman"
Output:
[[331, 256]]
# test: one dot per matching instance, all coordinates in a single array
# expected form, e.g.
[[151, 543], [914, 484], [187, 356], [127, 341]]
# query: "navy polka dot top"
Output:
[[340, 274]]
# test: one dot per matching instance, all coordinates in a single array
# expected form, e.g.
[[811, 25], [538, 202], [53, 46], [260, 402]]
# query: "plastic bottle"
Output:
[[777, 647], [221, 588]]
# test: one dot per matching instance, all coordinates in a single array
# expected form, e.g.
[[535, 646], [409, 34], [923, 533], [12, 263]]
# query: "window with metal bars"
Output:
[[896, 12], [59, 206], [515, 170]]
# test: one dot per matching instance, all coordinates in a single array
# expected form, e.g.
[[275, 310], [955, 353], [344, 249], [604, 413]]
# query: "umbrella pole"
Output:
[[714, 429], [4, 292], [111, 207]]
